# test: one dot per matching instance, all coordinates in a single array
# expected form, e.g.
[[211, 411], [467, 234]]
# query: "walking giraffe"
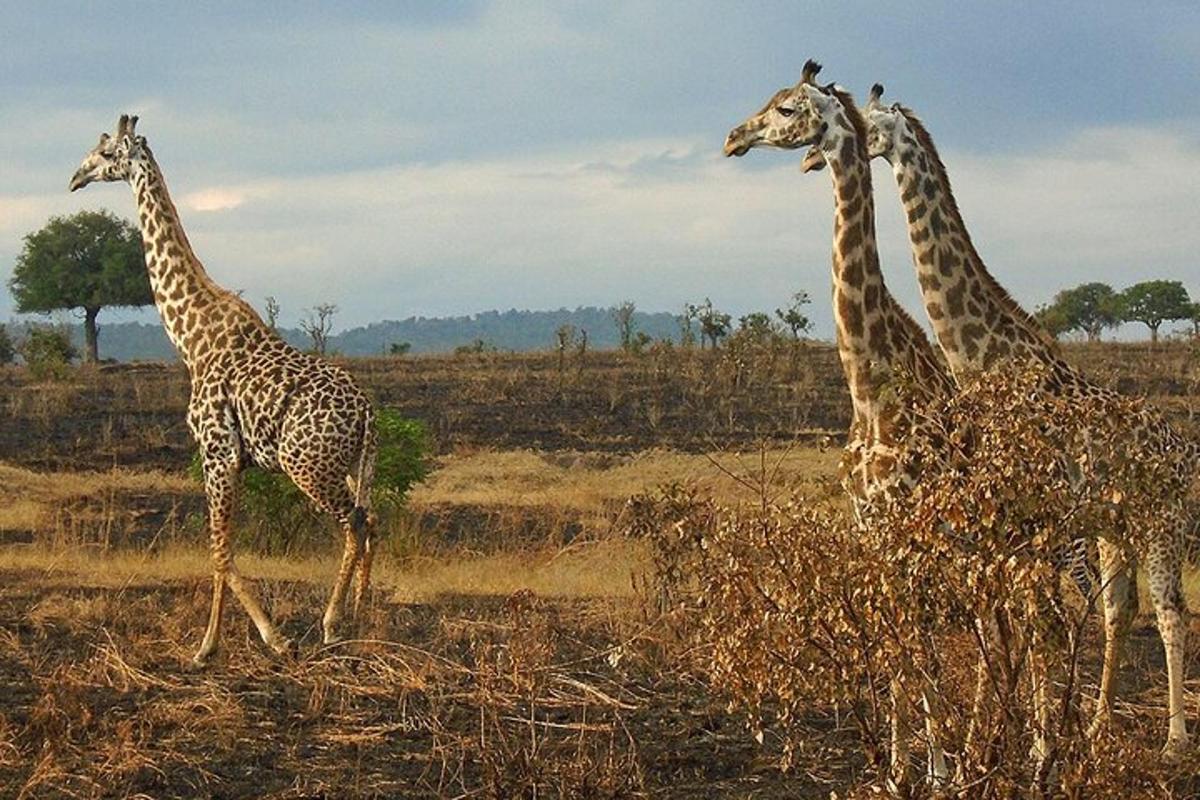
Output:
[[254, 398], [978, 326], [878, 341]]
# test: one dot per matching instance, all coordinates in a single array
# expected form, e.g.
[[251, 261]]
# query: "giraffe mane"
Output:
[[1006, 300], [854, 116]]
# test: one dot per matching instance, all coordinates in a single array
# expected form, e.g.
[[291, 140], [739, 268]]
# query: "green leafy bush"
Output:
[[48, 352]]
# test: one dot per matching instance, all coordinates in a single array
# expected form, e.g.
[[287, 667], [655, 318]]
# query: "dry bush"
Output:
[[804, 619]]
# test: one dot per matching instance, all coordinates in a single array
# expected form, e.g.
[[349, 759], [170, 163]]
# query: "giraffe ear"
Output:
[[122, 125], [103, 139], [809, 74]]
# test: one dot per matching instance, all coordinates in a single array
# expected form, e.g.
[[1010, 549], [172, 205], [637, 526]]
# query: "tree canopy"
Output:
[[1089, 307], [86, 261], [1154, 302]]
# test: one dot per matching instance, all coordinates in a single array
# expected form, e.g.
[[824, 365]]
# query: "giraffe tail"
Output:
[[364, 477]]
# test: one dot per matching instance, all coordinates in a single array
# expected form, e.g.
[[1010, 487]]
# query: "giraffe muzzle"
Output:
[[79, 180]]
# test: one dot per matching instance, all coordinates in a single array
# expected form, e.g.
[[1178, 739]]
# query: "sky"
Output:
[[413, 158]]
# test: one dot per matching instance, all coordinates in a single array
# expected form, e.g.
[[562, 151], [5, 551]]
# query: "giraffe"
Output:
[[877, 340], [254, 398], [978, 326]]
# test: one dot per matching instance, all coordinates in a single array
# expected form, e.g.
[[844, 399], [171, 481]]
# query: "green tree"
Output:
[[1154, 302], [793, 316], [1053, 319], [1195, 319], [1089, 307], [87, 261]]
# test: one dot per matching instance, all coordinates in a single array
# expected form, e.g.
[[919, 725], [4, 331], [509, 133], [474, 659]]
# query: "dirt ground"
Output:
[[464, 697]]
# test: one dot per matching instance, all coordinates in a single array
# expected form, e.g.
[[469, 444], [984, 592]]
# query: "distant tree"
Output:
[[1089, 307], [317, 323], [793, 316], [88, 261], [1154, 302], [622, 317], [272, 309], [757, 326], [399, 348], [687, 334], [1195, 319], [1052, 318], [714, 324], [8, 350], [564, 339]]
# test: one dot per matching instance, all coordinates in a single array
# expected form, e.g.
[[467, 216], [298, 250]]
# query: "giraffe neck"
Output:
[[976, 322], [198, 315], [876, 337]]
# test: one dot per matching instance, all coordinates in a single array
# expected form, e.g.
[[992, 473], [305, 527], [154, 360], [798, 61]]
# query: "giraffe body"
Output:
[[978, 326], [878, 341], [254, 398]]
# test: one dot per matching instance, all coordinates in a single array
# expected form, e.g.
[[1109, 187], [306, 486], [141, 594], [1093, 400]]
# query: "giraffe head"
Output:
[[887, 127], [790, 119], [822, 118], [110, 160]]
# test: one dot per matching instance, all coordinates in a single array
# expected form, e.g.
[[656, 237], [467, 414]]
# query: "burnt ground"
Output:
[[487, 697]]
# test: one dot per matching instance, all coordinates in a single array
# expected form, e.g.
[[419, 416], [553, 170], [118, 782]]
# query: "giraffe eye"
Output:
[[785, 111]]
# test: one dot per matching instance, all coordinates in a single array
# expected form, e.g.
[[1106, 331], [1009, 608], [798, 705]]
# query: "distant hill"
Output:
[[518, 331]]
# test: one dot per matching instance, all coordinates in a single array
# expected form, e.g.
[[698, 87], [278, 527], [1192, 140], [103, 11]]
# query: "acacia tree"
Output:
[[793, 316], [1154, 302], [1089, 307], [87, 261], [714, 324]]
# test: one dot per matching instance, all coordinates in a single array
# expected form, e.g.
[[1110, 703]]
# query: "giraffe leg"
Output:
[[364, 577], [333, 611], [901, 732], [220, 488], [1164, 565], [938, 773], [1119, 598]]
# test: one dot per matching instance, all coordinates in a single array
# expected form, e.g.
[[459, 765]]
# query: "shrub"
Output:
[[801, 617], [48, 352], [8, 350]]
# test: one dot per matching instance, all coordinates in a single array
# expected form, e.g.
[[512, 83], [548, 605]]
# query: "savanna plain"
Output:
[[520, 639]]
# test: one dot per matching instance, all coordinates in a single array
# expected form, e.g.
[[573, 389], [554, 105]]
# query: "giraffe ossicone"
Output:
[[254, 398]]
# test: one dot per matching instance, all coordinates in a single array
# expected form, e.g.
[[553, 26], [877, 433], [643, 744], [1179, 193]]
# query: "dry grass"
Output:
[[54, 502], [591, 482], [594, 569]]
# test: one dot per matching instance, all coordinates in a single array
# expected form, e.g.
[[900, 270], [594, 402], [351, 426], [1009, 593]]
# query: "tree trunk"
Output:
[[1153, 334], [91, 334]]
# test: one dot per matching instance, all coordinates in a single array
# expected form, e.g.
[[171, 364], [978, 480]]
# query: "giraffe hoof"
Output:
[[332, 637], [284, 646], [1177, 748], [199, 662]]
